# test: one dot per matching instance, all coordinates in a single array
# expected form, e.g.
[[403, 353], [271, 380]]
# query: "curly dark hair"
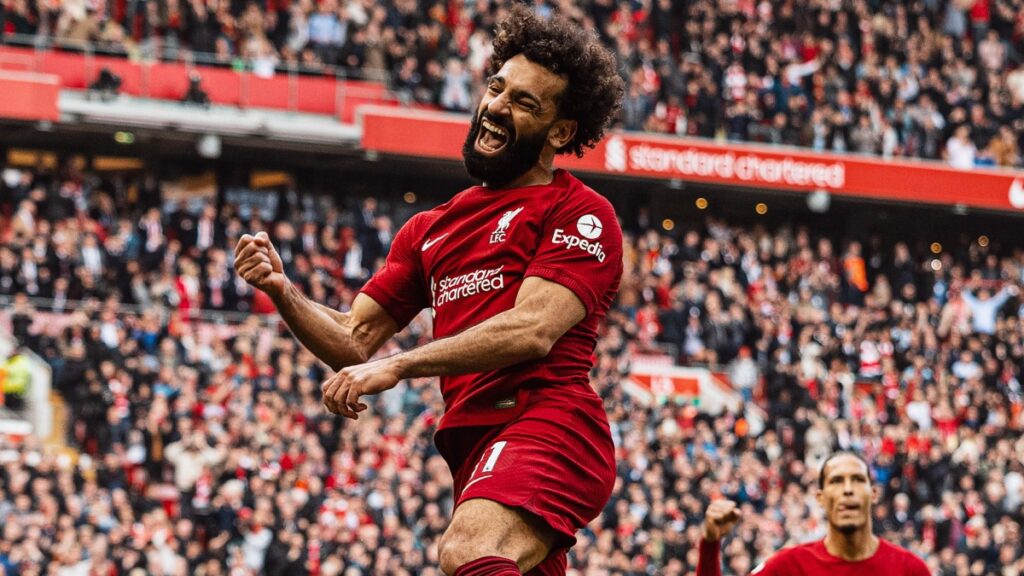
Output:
[[595, 89]]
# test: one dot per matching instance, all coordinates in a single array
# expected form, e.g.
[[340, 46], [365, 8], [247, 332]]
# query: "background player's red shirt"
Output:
[[812, 559], [467, 258]]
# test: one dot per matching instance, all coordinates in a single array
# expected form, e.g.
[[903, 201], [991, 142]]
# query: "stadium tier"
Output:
[[891, 78], [810, 265]]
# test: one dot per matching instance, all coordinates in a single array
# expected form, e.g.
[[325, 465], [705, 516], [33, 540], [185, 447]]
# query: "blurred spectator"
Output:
[[1004, 149], [106, 86], [961, 151], [327, 31], [985, 306], [195, 93], [15, 379], [455, 94], [744, 373]]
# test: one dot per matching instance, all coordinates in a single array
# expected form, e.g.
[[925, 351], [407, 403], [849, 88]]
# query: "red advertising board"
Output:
[[668, 385], [437, 135], [28, 96], [169, 81]]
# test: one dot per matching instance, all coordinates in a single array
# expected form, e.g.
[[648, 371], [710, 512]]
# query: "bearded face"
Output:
[[496, 153]]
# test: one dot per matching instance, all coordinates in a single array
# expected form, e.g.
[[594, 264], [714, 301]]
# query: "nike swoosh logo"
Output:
[[429, 243], [477, 480]]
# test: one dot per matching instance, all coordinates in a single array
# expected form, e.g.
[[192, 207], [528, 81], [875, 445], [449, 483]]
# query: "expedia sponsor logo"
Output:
[[452, 288], [571, 241], [589, 226]]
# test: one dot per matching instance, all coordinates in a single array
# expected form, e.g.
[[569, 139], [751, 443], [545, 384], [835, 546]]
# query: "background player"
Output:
[[846, 493], [518, 274]]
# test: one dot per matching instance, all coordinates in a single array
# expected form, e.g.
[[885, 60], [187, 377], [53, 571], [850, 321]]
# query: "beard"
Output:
[[847, 529], [515, 158], [849, 526]]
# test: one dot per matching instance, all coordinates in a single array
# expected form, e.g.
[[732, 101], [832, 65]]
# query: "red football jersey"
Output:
[[466, 260], [812, 559]]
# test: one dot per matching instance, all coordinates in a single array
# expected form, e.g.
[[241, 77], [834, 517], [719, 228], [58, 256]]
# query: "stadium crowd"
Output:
[[203, 448], [938, 79]]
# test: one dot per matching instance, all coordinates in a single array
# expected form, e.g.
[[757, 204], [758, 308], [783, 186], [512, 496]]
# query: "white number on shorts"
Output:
[[495, 453]]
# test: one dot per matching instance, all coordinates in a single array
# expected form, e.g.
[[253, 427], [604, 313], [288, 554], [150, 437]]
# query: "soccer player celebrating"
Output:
[[518, 274], [850, 548]]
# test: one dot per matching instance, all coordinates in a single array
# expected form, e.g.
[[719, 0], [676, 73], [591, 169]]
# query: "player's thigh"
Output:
[[481, 528]]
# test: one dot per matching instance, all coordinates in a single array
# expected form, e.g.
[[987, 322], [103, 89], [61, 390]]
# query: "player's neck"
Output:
[[540, 174], [852, 547]]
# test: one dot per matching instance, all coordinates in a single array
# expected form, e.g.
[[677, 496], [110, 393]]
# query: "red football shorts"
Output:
[[556, 460]]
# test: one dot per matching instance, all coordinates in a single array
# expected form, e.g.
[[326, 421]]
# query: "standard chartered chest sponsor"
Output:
[[452, 288]]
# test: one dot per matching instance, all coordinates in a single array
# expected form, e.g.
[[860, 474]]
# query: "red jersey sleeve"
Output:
[[398, 286], [581, 247], [708, 561]]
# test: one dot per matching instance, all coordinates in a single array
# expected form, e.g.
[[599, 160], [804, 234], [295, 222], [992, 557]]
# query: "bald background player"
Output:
[[518, 274], [850, 548]]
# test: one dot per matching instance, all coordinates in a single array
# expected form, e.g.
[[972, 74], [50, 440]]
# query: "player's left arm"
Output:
[[543, 312]]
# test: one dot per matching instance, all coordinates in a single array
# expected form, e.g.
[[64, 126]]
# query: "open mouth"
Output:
[[848, 508], [491, 138]]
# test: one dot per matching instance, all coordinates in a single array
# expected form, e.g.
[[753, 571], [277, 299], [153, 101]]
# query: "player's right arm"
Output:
[[339, 339], [719, 519]]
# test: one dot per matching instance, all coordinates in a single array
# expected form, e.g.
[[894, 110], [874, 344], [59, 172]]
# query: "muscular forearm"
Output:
[[708, 561], [506, 339], [322, 330], [544, 311]]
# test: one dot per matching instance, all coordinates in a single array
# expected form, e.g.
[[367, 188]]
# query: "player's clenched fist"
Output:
[[259, 264], [719, 519], [341, 392]]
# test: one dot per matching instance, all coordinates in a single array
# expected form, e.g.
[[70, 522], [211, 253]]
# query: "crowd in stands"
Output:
[[937, 79], [202, 447]]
